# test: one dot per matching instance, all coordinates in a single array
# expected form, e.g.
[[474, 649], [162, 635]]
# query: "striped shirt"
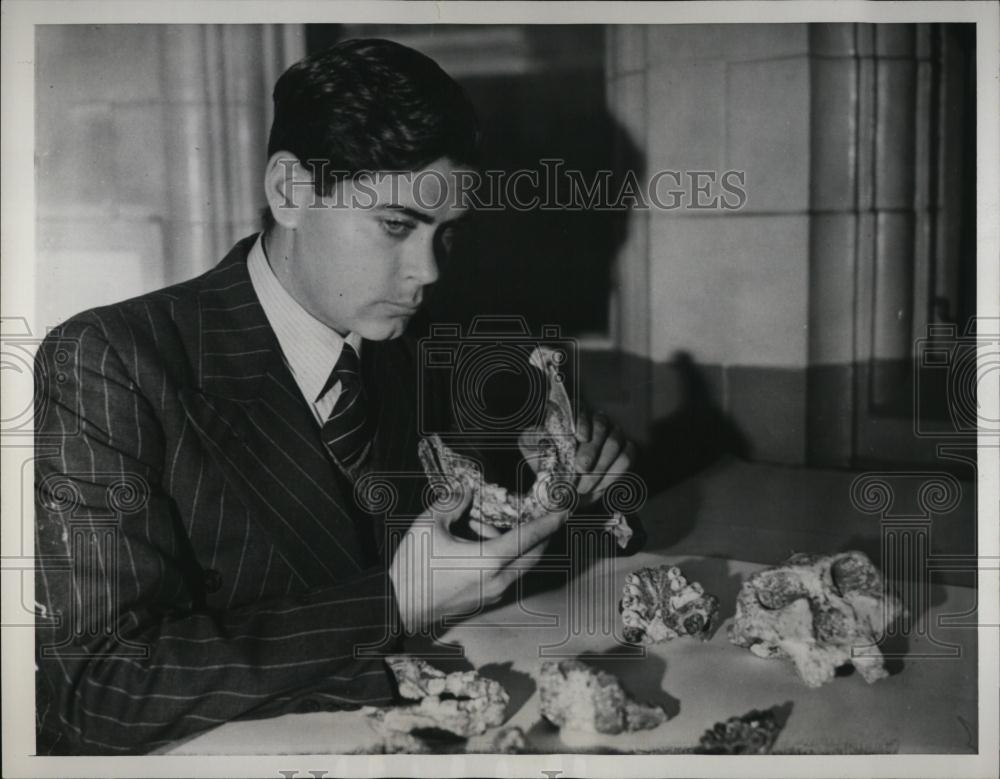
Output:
[[310, 348]]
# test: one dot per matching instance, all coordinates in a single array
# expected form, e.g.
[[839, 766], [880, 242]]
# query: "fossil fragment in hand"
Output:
[[822, 611], [551, 448], [659, 604], [579, 697]]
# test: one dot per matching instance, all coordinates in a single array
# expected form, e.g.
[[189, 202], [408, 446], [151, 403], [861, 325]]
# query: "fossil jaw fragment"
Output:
[[461, 703], [552, 448]]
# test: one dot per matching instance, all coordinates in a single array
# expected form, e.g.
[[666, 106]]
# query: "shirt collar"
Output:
[[310, 348]]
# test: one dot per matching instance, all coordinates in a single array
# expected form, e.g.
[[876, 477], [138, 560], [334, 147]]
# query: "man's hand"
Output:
[[603, 454], [436, 574]]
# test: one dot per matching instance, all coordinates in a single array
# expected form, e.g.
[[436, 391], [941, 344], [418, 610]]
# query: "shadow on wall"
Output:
[[551, 262], [694, 436], [674, 411]]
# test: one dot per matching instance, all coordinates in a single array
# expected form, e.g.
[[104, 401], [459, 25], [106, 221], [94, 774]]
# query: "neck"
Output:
[[279, 244], [278, 250]]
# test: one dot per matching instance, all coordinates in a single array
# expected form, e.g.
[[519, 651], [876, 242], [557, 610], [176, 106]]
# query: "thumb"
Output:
[[452, 504], [583, 422], [524, 537]]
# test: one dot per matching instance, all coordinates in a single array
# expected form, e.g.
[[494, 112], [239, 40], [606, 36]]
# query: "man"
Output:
[[202, 555]]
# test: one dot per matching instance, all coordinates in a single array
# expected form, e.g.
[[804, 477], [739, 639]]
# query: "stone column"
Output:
[[217, 82]]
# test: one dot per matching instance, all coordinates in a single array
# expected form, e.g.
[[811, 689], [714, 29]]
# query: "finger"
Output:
[[588, 452], [524, 537], [620, 466], [504, 577], [483, 530], [630, 453], [613, 446], [583, 426], [446, 510]]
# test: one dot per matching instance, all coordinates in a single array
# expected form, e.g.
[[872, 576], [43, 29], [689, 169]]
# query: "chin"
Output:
[[382, 329]]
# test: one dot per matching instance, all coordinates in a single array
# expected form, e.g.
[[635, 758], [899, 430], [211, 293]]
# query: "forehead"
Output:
[[441, 188]]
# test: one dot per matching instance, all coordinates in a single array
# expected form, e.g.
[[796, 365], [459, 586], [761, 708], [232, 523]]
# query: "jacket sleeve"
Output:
[[125, 662]]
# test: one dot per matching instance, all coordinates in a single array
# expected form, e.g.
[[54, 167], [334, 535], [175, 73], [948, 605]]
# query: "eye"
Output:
[[398, 228]]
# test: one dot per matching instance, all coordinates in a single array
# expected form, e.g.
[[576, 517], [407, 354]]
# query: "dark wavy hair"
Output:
[[370, 105]]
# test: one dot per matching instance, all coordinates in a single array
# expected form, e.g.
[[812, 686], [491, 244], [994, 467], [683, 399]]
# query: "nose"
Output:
[[422, 265]]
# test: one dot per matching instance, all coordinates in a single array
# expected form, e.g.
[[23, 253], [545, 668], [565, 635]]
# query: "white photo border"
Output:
[[17, 250]]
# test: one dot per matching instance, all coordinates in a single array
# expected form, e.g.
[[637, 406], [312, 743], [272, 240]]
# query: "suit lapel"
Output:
[[390, 383], [391, 376], [251, 416]]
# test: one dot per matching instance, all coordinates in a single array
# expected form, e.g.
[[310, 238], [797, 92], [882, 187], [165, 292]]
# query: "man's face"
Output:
[[361, 261]]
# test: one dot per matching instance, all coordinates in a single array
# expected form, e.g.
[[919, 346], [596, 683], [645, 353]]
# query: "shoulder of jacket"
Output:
[[156, 311]]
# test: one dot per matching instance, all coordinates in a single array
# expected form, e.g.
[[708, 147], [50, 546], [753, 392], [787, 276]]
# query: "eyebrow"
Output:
[[420, 216]]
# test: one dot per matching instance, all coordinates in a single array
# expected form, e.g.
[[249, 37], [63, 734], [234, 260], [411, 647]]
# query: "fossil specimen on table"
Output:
[[461, 703], [659, 604], [579, 697], [822, 611], [511, 741], [752, 734]]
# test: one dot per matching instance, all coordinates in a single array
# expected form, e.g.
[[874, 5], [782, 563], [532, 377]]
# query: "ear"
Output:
[[288, 187]]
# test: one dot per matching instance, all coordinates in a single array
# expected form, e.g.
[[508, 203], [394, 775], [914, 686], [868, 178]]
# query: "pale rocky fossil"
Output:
[[578, 697], [552, 449], [821, 611], [659, 604], [461, 703]]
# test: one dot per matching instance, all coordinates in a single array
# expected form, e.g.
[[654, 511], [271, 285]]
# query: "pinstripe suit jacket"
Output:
[[200, 557]]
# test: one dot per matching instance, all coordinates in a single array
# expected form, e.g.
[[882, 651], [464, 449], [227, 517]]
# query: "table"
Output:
[[928, 706]]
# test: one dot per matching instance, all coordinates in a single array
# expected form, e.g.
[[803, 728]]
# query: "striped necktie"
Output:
[[347, 431]]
